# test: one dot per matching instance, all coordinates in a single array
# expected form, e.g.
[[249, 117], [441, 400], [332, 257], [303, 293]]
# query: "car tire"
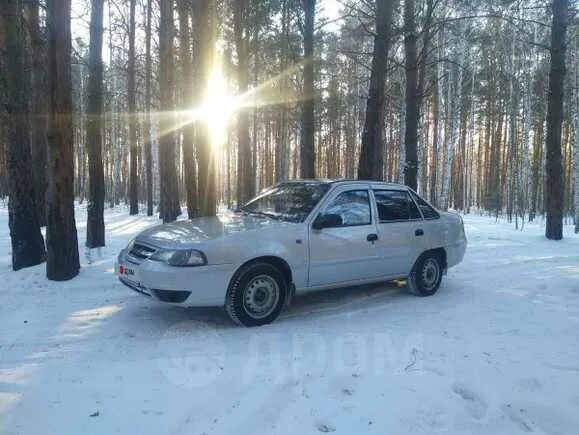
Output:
[[256, 295], [426, 275]]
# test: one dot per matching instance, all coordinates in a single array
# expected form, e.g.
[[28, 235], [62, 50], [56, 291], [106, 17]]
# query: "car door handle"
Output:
[[419, 232], [372, 237]]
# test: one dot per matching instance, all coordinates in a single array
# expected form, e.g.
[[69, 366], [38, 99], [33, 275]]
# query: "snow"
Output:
[[494, 351]]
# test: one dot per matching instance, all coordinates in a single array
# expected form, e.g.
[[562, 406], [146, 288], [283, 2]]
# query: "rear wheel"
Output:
[[426, 276], [256, 294]]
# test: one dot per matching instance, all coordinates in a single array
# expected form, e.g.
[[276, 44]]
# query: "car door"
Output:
[[347, 252], [433, 230], [400, 230]]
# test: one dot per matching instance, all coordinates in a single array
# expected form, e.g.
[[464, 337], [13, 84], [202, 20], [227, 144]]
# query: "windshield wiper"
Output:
[[263, 214]]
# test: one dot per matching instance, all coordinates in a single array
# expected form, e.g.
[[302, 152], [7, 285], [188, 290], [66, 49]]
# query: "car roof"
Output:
[[373, 183]]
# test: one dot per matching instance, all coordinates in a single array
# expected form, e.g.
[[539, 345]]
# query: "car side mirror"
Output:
[[327, 221]]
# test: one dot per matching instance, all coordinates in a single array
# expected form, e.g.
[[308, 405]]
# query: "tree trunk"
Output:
[[433, 191], [204, 16], [282, 139], [132, 124], [371, 164], [244, 163], [412, 97], [554, 188], [188, 130], [169, 206], [61, 236], [307, 152], [147, 123], [575, 135], [27, 242], [37, 107], [422, 143], [401, 141], [454, 98], [526, 170], [95, 225], [576, 169]]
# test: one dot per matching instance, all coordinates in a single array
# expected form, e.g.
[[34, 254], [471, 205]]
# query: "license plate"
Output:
[[126, 271]]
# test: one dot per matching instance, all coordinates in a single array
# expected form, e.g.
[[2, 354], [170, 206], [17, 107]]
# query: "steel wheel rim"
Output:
[[430, 273], [260, 296]]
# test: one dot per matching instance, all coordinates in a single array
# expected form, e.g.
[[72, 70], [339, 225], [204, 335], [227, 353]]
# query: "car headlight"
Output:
[[180, 257]]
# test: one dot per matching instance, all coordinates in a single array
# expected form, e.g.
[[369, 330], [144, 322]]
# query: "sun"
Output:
[[218, 107]]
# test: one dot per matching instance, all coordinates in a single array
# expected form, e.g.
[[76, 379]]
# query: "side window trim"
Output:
[[410, 194], [394, 221], [415, 195], [341, 192]]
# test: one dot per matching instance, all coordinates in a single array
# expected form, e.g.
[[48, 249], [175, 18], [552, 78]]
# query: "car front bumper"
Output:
[[188, 286]]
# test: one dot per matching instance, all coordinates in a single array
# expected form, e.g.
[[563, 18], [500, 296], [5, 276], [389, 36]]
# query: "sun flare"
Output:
[[218, 107]]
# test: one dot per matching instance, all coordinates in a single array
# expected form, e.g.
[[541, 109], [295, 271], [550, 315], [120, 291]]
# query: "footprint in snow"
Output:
[[475, 405], [519, 417], [326, 428]]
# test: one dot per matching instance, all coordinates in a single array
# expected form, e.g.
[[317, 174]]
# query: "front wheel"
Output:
[[256, 294], [426, 276]]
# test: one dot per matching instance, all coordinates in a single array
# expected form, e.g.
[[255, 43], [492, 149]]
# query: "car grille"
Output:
[[139, 252]]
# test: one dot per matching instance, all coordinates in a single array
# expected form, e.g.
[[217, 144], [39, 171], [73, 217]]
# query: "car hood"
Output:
[[181, 234]]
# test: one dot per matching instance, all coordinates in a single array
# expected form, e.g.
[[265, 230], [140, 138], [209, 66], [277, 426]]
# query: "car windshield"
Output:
[[291, 202]]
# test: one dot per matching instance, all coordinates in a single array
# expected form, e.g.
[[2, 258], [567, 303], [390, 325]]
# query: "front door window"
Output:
[[353, 207]]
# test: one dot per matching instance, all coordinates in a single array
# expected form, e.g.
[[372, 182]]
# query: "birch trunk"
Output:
[[454, 96]]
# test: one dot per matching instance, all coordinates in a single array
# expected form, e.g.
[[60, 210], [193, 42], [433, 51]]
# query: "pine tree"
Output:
[[132, 106], [169, 206], [61, 236], [412, 97], [307, 153], [147, 127], [188, 131], [37, 105], [244, 163], [204, 27], [371, 166], [554, 168], [27, 242], [95, 225]]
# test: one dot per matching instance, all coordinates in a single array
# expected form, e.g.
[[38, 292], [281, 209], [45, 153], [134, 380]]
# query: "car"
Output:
[[295, 237]]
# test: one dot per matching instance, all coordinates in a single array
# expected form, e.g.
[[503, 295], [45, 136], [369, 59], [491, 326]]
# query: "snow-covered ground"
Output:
[[495, 351]]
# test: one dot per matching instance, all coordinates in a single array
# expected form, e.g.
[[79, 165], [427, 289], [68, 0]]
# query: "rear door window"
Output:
[[427, 211], [395, 206]]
